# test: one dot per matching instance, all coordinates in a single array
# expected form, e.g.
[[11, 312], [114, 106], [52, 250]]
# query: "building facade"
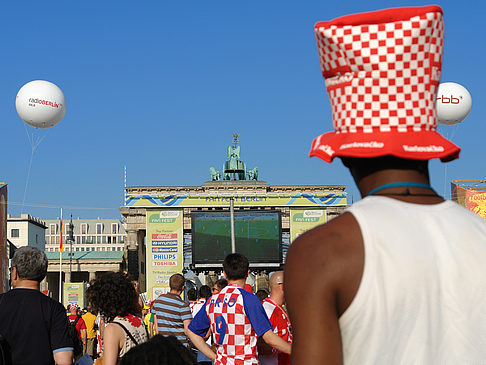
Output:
[[26, 231], [89, 235]]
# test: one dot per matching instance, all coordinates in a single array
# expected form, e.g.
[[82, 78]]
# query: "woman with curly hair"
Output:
[[115, 297]]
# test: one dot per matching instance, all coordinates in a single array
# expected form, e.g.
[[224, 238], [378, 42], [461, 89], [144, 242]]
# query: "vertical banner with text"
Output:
[[164, 249], [3, 240], [301, 220]]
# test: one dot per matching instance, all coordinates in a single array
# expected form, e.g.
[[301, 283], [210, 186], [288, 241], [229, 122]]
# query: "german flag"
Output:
[[61, 248]]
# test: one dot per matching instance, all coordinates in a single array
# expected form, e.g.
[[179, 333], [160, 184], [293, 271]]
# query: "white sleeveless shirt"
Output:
[[422, 297]]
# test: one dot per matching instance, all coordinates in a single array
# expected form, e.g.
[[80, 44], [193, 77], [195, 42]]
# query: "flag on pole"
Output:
[[60, 246]]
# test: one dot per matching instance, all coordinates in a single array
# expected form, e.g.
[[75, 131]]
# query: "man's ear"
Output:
[[224, 273], [248, 273], [14, 274]]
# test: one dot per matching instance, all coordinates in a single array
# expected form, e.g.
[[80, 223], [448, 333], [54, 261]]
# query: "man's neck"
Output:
[[419, 195], [26, 284], [277, 298], [239, 282], [175, 292]]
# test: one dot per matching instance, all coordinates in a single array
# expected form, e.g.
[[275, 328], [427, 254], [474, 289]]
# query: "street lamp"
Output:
[[70, 239]]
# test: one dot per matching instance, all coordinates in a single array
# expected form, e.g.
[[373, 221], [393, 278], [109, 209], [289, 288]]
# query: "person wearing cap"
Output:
[[34, 325], [399, 277], [78, 321]]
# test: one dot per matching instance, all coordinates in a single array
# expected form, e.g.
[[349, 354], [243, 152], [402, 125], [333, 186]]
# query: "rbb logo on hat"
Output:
[[382, 71]]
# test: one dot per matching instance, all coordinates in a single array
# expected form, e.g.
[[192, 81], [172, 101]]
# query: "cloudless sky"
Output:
[[160, 86]]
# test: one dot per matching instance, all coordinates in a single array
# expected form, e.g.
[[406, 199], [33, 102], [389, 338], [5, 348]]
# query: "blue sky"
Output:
[[160, 87]]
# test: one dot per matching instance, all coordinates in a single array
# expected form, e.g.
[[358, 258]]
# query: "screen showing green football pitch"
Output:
[[257, 236]]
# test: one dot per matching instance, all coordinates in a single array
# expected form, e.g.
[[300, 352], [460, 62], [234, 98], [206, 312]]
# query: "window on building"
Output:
[[103, 239], [114, 239], [77, 248], [83, 239], [109, 239], [57, 240], [97, 248], [114, 228], [122, 239], [84, 228], [14, 233], [98, 239], [36, 238], [78, 239], [52, 229], [99, 228]]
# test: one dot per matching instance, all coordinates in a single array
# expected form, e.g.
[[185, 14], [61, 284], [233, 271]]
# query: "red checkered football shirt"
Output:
[[236, 319]]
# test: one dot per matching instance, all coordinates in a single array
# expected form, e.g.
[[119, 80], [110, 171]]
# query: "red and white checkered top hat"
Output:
[[382, 71]]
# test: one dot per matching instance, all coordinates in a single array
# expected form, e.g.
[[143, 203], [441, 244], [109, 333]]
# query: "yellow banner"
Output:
[[476, 202], [240, 200], [164, 254], [302, 220]]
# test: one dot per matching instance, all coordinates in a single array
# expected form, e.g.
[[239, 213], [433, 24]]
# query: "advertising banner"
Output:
[[3, 239], [301, 220], [240, 200], [74, 293], [164, 249], [476, 202]]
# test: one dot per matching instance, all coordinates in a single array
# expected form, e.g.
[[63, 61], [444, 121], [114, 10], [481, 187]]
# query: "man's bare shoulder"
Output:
[[331, 256], [335, 238]]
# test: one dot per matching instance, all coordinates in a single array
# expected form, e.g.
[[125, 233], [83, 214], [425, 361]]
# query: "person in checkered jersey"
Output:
[[236, 319], [399, 278]]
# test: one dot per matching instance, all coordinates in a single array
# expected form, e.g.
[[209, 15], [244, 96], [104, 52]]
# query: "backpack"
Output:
[[73, 333], [5, 351]]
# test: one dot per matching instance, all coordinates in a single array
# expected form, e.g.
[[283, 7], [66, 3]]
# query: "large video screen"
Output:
[[257, 236]]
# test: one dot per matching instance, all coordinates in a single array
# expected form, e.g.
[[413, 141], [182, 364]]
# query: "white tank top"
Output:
[[422, 297]]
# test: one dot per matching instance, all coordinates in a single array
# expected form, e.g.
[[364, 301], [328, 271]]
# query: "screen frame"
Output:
[[266, 264]]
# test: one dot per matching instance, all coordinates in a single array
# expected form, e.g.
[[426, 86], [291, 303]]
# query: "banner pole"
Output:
[[232, 224]]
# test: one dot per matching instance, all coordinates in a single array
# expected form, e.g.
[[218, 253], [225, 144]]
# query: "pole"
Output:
[[60, 270], [232, 218]]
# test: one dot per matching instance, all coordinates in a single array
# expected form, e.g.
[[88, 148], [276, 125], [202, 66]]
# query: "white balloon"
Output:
[[40, 104], [453, 103]]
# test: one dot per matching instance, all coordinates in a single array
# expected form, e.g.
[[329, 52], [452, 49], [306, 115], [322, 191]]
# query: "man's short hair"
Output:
[[176, 282], [192, 294], [204, 292], [31, 263], [236, 266]]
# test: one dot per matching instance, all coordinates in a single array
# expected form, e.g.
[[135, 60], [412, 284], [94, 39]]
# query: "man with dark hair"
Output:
[[34, 325], [236, 319], [399, 277], [219, 285], [171, 314], [192, 297]]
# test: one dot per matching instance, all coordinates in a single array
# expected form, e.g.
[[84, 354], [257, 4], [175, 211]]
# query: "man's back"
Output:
[[89, 320], [35, 326], [171, 311], [423, 288], [236, 318]]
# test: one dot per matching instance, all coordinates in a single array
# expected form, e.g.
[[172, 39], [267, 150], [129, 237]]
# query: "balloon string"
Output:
[[34, 142], [27, 181]]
